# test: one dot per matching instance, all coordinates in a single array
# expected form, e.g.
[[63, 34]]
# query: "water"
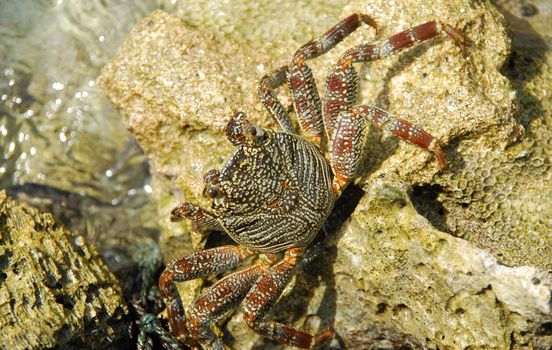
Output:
[[62, 146]]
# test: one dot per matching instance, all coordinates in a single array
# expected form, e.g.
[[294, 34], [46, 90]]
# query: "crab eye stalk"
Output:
[[240, 131], [211, 177]]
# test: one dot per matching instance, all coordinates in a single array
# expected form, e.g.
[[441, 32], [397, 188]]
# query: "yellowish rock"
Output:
[[387, 271], [55, 290]]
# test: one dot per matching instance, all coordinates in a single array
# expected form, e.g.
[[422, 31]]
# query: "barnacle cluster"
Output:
[[500, 199]]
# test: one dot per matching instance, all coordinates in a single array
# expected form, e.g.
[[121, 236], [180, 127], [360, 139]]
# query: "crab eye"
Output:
[[211, 192]]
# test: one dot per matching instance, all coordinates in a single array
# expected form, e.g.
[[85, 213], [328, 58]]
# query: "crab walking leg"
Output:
[[218, 300], [348, 139], [268, 98], [342, 81], [325, 42], [265, 293], [340, 95], [304, 93], [202, 217], [400, 41], [196, 265]]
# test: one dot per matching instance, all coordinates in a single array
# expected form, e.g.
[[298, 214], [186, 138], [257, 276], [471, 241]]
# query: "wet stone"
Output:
[[55, 290]]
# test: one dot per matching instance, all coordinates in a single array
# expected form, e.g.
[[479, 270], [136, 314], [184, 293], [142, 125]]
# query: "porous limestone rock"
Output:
[[55, 290], [387, 272]]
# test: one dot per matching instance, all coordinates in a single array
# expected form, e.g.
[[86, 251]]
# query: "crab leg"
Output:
[[400, 41], [342, 81], [325, 42], [304, 93], [196, 265], [202, 217], [345, 124], [218, 300], [265, 293], [348, 139], [268, 98]]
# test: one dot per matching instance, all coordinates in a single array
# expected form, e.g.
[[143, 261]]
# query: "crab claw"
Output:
[[185, 210], [240, 131]]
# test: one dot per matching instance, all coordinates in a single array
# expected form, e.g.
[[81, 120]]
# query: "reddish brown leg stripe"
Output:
[[200, 264], [266, 93], [175, 309], [207, 262], [306, 101], [346, 148], [424, 31], [398, 127], [340, 95], [399, 41], [343, 126], [202, 217], [333, 36], [264, 294], [217, 301], [348, 139], [403, 129]]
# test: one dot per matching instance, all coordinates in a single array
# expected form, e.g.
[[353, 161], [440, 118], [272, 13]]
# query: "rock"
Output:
[[427, 283], [387, 271], [54, 288]]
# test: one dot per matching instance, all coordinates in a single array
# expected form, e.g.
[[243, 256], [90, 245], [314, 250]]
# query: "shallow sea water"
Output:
[[63, 147]]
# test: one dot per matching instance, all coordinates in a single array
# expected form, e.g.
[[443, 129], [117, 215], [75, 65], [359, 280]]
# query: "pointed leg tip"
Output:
[[456, 35], [440, 157], [324, 337]]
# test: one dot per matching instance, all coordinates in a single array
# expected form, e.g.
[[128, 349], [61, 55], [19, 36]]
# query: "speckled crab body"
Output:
[[282, 186], [276, 189]]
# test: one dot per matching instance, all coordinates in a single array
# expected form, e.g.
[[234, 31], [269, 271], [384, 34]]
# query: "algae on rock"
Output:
[[177, 86], [55, 290]]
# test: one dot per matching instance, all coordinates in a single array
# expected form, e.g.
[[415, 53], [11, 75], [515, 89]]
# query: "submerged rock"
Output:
[[388, 271], [55, 290]]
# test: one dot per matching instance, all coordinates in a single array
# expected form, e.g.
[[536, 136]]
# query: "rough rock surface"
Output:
[[54, 288], [177, 84], [501, 199]]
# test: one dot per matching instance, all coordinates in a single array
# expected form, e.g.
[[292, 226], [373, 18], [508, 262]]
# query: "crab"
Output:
[[277, 188]]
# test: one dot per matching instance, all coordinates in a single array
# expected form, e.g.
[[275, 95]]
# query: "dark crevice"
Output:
[[66, 301], [544, 329], [3, 225], [38, 296], [343, 209], [92, 293], [424, 199], [63, 335], [5, 259], [3, 277], [217, 239], [524, 63], [381, 308]]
